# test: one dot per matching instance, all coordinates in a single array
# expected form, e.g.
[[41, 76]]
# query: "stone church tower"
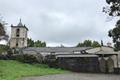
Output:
[[18, 36]]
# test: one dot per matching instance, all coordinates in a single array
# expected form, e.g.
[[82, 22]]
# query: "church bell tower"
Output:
[[18, 36]]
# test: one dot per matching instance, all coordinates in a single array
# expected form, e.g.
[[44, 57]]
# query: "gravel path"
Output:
[[76, 76]]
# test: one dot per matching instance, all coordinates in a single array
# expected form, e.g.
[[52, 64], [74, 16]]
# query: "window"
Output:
[[17, 32], [16, 44]]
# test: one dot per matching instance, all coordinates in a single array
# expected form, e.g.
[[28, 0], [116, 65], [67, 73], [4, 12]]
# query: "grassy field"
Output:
[[13, 70]]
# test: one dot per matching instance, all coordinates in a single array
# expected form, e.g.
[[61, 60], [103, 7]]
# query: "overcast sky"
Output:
[[58, 22]]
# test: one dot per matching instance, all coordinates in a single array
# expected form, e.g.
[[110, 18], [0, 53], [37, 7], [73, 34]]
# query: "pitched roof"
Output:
[[102, 50], [56, 49], [20, 25], [76, 55]]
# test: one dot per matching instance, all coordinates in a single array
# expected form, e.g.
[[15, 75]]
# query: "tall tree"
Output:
[[89, 43], [38, 43], [2, 30], [80, 45], [30, 42], [43, 44], [113, 9], [95, 44], [115, 34]]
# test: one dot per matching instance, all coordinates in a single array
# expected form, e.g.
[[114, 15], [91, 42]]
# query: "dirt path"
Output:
[[76, 76]]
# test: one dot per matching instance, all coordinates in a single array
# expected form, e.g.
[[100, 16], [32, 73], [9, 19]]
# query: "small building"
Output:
[[108, 58], [18, 36], [78, 62], [83, 59]]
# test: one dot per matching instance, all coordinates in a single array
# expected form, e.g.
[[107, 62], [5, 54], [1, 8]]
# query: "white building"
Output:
[[18, 36]]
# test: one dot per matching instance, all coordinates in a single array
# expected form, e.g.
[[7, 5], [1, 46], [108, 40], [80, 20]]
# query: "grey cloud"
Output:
[[59, 21]]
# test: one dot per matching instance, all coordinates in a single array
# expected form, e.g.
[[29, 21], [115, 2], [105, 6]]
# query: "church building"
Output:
[[18, 36]]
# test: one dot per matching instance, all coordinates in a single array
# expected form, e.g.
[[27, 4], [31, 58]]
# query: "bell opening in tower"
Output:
[[17, 32]]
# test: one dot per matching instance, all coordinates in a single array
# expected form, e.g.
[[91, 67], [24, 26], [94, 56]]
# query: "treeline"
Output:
[[88, 43], [38, 43], [85, 43]]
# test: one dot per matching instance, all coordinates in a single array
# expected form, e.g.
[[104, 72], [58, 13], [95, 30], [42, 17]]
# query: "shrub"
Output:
[[51, 61], [3, 48], [3, 57], [18, 57], [27, 58]]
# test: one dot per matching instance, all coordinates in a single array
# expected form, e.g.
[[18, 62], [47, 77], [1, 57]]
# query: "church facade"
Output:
[[18, 36]]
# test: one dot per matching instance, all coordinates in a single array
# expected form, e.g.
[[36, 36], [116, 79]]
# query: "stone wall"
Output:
[[22, 39]]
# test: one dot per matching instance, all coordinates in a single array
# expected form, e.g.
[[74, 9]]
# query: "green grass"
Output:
[[13, 70]]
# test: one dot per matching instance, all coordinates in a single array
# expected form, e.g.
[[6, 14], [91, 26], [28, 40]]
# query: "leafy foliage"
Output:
[[95, 44], [89, 43], [3, 48], [3, 35], [28, 58], [113, 9], [30, 42], [115, 34], [38, 43], [2, 30]]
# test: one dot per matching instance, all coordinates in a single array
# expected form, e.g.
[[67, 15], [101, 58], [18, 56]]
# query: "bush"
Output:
[[27, 58], [4, 57], [51, 61], [18, 57], [3, 48]]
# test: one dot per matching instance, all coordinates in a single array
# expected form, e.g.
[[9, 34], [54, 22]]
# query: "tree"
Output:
[[115, 34], [30, 42], [43, 44], [2, 30], [80, 45], [89, 43], [113, 9], [95, 44], [39, 44]]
